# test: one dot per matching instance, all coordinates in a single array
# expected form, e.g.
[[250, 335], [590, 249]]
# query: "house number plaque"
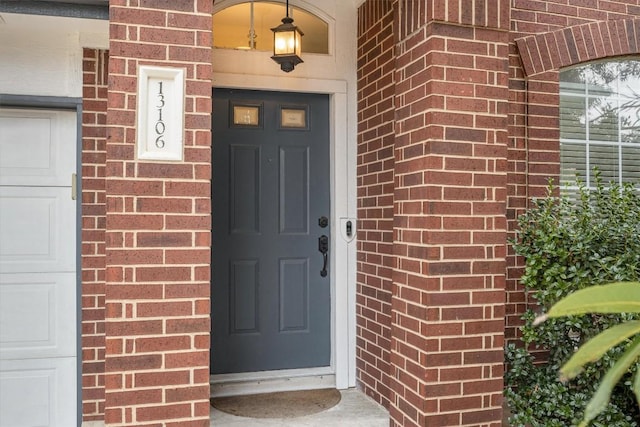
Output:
[[160, 113]]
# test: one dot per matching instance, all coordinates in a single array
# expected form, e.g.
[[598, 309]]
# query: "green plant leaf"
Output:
[[593, 349], [602, 395], [620, 297], [636, 386]]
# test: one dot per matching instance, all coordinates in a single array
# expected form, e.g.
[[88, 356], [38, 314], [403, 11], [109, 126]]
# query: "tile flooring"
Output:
[[354, 410]]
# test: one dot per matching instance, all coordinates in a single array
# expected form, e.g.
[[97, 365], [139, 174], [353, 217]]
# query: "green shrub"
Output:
[[568, 244], [617, 297]]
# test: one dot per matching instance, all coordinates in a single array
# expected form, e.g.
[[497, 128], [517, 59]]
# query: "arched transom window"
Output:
[[233, 27]]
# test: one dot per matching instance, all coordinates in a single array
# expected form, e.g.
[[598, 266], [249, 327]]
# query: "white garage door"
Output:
[[38, 363]]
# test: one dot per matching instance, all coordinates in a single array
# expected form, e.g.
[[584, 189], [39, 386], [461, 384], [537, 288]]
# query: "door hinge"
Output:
[[74, 186]]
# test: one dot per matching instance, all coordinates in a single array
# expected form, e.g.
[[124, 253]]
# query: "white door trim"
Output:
[[343, 252]]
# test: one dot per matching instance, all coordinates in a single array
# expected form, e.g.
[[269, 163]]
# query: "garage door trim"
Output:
[[74, 104]]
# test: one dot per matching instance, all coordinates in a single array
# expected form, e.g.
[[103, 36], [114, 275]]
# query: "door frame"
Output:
[[65, 104], [342, 260]]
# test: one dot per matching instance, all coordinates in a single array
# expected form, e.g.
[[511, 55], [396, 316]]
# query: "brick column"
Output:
[[94, 116], [157, 225], [450, 223], [376, 110]]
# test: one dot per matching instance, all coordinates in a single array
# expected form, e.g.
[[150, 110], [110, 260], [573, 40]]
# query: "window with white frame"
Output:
[[600, 122]]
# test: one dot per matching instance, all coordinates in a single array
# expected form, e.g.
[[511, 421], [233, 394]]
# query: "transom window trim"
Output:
[[600, 122]]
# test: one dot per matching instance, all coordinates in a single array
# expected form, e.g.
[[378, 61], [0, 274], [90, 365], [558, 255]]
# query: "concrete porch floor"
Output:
[[354, 410]]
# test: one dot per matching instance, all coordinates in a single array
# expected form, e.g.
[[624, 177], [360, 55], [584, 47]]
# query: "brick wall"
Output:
[[458, 129], [450, 225], [545, 37], [94, 117], [449, 193], [157, 226], [476, 137], [376, 90], [517, 189]]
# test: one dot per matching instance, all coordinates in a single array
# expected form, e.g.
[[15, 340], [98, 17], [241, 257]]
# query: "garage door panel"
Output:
[[36, 225], [34, 147], [36, 319], [38, 278], [37, 392]]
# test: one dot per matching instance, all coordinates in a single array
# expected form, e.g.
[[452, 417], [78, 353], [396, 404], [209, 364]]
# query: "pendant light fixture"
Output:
[[287, 44]]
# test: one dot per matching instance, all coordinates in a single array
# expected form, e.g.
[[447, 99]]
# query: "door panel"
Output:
[[35, 317], [271, 307], [37, 225], [38, 360], [244, 296], [294, 295], [38, 392], [245, 189], [34, 147], [294, 190]]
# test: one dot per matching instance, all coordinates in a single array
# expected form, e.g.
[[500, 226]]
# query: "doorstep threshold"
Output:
[[271, 381]]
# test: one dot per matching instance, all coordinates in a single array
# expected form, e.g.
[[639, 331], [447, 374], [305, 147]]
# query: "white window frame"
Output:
[[569, 89]]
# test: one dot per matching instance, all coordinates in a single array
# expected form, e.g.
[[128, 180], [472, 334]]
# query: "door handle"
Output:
[[323, 247]]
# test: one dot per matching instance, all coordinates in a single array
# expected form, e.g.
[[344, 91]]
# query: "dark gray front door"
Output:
[[270, 304]]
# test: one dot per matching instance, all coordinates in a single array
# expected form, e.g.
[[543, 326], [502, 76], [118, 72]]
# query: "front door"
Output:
[[271, 298]]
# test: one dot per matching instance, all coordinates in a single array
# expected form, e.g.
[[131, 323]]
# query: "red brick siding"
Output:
[[517, 189], [376, 92], [94, 117], [157, 297], [432, 188], [561, 48], [537, 16], [545, 37], [450, 225], [449, 172], [480, 13], [550, 35]]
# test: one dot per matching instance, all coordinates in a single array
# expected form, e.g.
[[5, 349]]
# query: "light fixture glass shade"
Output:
[[287, 45]]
